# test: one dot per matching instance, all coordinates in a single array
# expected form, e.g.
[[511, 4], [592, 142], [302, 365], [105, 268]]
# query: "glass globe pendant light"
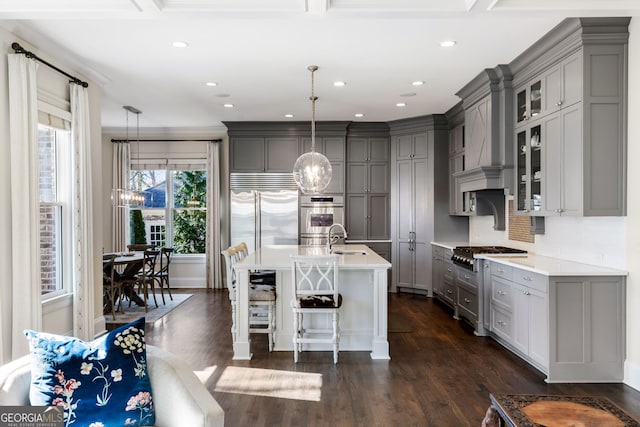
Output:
[[312, 170]]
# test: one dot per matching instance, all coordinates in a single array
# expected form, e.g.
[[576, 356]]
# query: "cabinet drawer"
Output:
[[501, 324], [449, 270], [501, 293], [449, 292], [531, 280], [467, 277], [468, 301], [501, 270]]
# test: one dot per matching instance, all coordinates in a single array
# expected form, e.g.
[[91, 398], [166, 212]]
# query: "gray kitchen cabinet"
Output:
[[367, 188], [258, 154], [333, 149], [468, 298], [572, 89], [443, 273], [419, 200], [456, 164], [437, 269], [487, 164], [569, 327]]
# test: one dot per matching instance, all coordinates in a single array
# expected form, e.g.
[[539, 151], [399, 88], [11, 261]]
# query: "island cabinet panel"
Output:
[[570, 327], [570, 114], [419, 200]]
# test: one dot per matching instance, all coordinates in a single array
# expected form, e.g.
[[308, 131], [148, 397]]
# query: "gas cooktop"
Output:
[[463, 255]]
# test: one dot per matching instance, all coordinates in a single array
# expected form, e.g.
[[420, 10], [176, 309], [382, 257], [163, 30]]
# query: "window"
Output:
[[54, 148], [175, 217]]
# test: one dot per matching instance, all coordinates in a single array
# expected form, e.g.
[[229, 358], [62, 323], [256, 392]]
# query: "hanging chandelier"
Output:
[[312, 170], [128, 197]]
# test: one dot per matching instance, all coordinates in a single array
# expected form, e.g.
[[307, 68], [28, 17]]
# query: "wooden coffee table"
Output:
[[532, 410]]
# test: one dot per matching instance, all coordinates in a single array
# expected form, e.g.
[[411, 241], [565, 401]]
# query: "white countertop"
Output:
[[450, 245], [549, 266], [277, 257]]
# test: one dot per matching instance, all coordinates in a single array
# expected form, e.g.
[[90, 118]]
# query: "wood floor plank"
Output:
[[440, 374]]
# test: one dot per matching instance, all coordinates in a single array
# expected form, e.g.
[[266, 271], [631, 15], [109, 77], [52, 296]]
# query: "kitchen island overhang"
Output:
[[363, 285]]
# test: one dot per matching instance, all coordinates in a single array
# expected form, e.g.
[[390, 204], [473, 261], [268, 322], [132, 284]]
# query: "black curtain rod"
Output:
[[19, 49], [166, 140]]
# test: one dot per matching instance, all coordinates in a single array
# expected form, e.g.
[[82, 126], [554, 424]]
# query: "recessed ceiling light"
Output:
[[179, 44], [417, 83], [228, 105], [288, 116], [359, 115], [211, 84], [448, 43], [401, 104], [339, 84]]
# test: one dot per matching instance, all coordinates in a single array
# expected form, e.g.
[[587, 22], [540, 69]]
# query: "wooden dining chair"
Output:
[[140, 247], [146, 278], [162, 273], [111, 285]]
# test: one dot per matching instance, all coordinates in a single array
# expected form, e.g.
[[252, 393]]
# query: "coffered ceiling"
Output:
[[257, 52]]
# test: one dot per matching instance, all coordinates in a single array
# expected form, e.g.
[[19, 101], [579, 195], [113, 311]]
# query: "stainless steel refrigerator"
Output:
[[264, 209]]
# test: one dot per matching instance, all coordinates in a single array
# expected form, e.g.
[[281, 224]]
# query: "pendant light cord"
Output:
[[313, 99]]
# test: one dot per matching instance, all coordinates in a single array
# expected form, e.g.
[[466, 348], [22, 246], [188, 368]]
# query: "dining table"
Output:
[[130, 264]]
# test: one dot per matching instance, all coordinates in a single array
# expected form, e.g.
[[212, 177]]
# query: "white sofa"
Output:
[[180, 399]]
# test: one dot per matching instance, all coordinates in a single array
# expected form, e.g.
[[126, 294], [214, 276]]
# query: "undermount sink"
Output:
[[349, 252]]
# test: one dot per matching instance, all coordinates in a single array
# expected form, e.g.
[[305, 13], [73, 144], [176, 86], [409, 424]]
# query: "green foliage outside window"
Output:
[[190, 218], [138, 233]]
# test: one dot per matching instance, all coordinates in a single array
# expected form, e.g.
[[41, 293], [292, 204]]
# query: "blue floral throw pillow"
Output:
[[101, 383]]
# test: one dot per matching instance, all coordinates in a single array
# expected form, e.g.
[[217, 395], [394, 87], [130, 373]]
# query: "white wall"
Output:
[[611, 242], [57, 315]]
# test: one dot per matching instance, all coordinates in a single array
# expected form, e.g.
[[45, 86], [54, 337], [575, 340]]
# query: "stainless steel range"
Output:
[[464, 255]]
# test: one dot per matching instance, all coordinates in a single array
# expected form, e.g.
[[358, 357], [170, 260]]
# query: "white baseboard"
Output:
[[632, 375], [188, 282]]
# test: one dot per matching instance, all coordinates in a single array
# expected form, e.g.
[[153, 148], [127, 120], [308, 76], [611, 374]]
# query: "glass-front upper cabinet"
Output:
[[529, 101], [529, 170]]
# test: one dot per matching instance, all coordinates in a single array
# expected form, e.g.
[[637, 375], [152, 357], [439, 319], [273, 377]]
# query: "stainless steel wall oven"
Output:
[[317, 214]]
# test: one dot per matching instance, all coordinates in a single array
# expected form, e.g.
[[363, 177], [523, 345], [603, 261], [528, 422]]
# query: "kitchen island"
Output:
[[363, 285]]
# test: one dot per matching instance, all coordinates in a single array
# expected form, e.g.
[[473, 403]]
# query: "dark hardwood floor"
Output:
[[439, 374]]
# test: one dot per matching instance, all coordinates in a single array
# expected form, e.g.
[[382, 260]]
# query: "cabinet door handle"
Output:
[[499, 270], [526, 292], [467, 300], [449, 270], [467, 277], [527, 278], [502, 293], [449, 291]]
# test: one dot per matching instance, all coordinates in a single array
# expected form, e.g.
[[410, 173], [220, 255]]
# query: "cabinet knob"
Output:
[[449, 291], [499, 270], [467, 300], [467, 277], [559, 103], [527, 278], [502, 293]]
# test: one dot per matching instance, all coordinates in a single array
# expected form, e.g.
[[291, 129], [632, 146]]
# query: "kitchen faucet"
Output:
[[331, 240]]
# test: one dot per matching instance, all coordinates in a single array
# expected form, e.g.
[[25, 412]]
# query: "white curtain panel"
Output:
[[25, 304], [83, 254], [213, 217], [121, 166]]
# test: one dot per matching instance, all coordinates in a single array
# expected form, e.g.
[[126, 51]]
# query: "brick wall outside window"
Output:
[[48, 213]]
